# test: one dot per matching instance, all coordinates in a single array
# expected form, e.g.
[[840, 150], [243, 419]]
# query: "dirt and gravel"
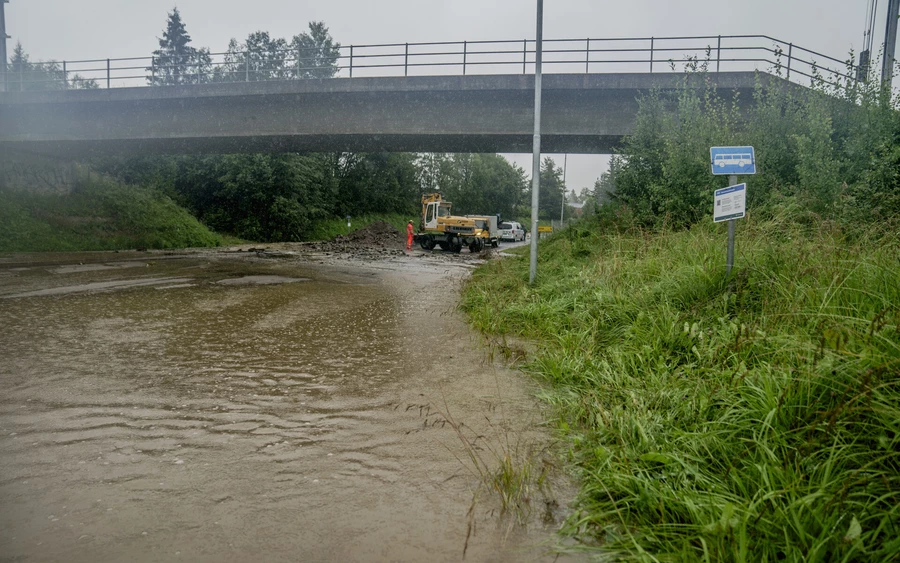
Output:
[[279, 402], [378, 241]]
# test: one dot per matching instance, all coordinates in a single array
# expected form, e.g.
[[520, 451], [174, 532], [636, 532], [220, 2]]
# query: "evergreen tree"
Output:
[[176, 62], [24, 75]]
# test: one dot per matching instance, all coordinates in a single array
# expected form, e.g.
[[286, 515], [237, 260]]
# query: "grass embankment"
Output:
[[751, 419], [98, 215]]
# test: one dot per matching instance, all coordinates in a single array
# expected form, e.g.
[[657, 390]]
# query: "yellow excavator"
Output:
[[438, 227]]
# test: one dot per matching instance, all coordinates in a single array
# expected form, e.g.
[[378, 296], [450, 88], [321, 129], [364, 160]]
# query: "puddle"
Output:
[[260, 280], [76, 268], [97, 286], [255, 419]]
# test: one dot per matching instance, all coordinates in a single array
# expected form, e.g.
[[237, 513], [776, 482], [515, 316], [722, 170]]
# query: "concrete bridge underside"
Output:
[[581, 113]]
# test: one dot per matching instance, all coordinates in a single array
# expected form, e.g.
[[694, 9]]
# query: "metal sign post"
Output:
[[730, 203]]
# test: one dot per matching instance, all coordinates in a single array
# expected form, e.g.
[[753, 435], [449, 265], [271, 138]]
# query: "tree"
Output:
[[263, 57], [550, 192], [317, 53], [483, 184], [176, 62], [24, 75]]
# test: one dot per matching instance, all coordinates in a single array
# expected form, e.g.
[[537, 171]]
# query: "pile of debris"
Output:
[[378, 238], [379, 234]]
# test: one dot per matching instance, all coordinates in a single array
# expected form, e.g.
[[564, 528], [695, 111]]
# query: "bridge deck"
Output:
[[581, 113]]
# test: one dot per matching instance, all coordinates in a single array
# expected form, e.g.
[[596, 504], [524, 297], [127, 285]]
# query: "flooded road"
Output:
[[226, 406]]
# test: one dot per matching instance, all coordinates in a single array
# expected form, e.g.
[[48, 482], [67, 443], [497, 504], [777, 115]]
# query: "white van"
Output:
[[511, 231]]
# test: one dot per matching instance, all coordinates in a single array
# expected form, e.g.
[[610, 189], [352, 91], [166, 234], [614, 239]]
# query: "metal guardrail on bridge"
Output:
[[588, 55]]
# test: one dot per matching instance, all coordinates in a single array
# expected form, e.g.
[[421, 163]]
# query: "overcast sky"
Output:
[[89, 29]]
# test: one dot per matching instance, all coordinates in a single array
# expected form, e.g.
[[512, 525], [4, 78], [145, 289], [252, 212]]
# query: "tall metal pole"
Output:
[[3, 37], [562, 206], [890, 44], [536, 147]]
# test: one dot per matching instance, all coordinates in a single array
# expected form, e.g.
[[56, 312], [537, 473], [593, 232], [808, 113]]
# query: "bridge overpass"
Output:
[[584, 111], [580, 114]]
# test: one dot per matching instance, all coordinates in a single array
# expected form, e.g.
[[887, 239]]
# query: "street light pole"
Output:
[[3, 37], [562, 206], [536, 147], [890, 44]]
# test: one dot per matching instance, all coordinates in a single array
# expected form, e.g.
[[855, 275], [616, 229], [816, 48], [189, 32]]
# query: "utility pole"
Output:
[[536, 146], [890, 44], [4, 63]]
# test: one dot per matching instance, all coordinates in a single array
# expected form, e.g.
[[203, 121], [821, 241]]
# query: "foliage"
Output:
[[832, 147], [476, 183], [277, 197], [284, 197], [176, 62], [551, 190], [97, 215], [262, 57], [312, 54], [26, 76], [751, 418], [317, 53]]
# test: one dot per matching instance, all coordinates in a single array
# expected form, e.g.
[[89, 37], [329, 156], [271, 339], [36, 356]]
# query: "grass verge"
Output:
[[755, 418]]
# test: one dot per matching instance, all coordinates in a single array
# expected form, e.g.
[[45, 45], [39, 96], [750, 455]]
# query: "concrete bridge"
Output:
[[581, 113]]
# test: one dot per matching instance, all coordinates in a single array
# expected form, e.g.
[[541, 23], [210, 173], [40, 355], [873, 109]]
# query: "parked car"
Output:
[[511, 231]]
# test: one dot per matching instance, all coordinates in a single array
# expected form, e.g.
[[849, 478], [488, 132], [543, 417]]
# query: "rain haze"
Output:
[[99, 29]]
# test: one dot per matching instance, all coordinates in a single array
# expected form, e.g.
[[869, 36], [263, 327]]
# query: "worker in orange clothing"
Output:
[[409, 235]]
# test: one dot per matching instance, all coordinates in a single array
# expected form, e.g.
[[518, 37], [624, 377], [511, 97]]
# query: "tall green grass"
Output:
[[752, 418], [97, 215]]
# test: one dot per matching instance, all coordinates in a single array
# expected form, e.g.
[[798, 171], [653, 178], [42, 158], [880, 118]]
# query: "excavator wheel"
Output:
[[476, 246], [427, 242], [456, 245]]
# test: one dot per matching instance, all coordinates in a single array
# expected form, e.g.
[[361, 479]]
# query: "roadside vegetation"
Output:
[[97, 215], [747, 418]]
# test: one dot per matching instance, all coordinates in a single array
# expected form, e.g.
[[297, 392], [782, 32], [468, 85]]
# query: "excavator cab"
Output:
[[433, 210]]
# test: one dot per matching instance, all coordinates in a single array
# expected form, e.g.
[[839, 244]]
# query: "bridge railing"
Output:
[[587, 55]]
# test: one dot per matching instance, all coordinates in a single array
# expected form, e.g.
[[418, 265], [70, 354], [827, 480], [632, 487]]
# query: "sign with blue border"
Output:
[[732, 160], [730, 203]]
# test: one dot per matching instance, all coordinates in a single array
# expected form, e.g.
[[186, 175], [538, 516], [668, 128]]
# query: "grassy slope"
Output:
[[756, 419], [98, 215]]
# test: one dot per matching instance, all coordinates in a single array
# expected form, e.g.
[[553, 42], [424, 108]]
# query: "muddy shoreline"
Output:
[[281, 402]]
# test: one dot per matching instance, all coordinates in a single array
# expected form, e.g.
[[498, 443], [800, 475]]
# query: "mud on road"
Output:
[[279, 403]]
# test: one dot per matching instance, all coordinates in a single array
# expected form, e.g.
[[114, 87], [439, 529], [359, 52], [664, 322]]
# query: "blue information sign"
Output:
[[732, 160]]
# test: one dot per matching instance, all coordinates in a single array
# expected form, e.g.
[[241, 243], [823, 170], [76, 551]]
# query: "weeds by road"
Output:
[[751, 418]]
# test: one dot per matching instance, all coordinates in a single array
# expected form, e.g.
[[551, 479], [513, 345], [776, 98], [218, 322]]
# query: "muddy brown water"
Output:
[[237, 406]]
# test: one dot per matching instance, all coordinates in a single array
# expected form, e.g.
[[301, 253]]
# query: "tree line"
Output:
[[309, 54]]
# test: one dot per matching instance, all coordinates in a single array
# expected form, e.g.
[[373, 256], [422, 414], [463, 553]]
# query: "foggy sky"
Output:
[[99, 29]]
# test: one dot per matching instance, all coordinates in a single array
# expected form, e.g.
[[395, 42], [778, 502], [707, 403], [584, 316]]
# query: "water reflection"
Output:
[[227, 421]]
